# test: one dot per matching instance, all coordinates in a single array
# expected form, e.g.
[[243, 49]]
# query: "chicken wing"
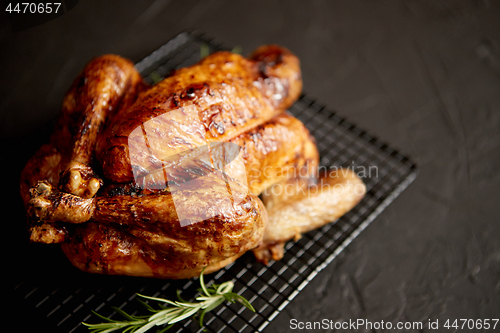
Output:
[[296, 206]]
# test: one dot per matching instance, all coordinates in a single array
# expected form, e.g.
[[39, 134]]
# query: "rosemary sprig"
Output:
[[171, 312]]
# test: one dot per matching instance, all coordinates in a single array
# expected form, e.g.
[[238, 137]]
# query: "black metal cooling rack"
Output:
[[65, 297]]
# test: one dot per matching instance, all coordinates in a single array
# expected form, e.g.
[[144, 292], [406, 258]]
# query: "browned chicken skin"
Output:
[[279, 149], [104, 85], [162, 181], [180, 231], [216, 100]]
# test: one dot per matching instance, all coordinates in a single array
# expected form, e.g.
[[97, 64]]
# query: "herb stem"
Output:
[[171, 312]]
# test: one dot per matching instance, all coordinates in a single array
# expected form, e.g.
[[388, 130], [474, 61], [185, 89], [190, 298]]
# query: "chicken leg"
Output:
[[106, 84], [170, 234]]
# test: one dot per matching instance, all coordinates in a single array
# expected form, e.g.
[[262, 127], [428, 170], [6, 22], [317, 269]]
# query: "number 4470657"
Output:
[[31, 7], [485, 324]]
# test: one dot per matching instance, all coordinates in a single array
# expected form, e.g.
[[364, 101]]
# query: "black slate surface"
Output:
[[421, 75]]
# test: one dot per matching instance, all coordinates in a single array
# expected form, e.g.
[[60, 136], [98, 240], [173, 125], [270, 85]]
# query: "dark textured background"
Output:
[[421, 75]]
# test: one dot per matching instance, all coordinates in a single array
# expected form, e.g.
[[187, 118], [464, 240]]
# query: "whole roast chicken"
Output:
[[164, 180]]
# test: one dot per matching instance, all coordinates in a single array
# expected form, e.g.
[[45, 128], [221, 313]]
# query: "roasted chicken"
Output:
[[163, 180]]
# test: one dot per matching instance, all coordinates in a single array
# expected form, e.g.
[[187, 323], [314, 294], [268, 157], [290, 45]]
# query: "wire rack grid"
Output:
[[387, 172]]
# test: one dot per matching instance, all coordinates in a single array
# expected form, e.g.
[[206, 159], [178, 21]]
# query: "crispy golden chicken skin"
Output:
[[106, 84], [162, 181], [280, 149], [199, 216], [168, 234], [216, 100]]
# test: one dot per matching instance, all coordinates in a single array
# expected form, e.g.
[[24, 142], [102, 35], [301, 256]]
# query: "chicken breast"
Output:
[[216, 100], [280, 149]]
